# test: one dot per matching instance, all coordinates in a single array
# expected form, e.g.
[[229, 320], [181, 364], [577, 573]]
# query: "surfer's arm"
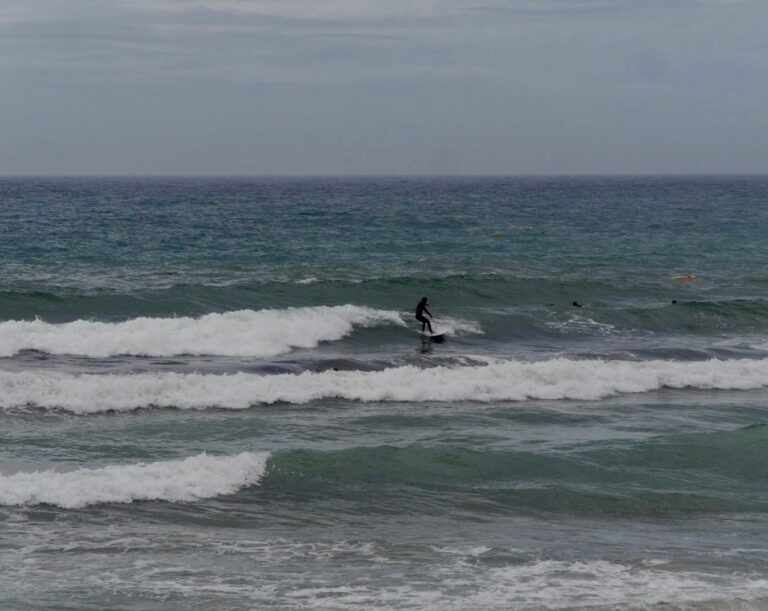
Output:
[[427, 312]]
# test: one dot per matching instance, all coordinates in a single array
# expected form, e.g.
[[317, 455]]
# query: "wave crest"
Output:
[[190, 479], [498, 381], [243, 333]]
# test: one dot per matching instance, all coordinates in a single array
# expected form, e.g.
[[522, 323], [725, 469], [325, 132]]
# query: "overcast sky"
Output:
[[383, 86]]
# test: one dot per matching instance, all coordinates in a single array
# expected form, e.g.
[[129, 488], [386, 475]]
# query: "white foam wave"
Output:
[[581, 324], [499, 381], [549, 584], [190, 479], [245, 333], [457, 326]]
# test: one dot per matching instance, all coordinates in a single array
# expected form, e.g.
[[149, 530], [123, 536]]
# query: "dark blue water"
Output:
[[214, 394]]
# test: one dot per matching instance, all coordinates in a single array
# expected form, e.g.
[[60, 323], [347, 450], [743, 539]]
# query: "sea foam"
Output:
[[190, 479], [548, 584], [498, 381], [245, 333]]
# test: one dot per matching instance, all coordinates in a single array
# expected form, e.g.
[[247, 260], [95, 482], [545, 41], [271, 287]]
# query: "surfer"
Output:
[[421, 310]]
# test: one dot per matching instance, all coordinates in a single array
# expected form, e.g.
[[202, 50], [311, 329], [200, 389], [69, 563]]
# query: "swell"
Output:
[[455, 290], [701, 472], [705, 472], [692, 316], [556, 379], [504, 305], [687, 461]]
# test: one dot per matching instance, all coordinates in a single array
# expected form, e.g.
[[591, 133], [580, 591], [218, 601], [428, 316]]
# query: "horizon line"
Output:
[[414, 175]]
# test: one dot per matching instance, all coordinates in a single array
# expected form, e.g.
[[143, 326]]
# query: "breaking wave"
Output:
[[244, 333], [190, 479], [497, 381]]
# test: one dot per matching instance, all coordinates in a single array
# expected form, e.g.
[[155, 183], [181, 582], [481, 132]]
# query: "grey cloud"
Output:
[[552, 86]]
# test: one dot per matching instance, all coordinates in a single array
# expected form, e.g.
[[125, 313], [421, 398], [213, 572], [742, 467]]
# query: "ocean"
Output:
[[214, 394]]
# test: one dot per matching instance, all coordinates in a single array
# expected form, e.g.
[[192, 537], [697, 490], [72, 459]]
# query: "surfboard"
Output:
[[434, 337]]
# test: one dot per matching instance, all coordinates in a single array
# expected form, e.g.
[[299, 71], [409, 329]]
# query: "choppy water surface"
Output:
[[213, 393]]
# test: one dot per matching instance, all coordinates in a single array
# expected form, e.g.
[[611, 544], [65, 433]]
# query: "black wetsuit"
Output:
[[421, 309]]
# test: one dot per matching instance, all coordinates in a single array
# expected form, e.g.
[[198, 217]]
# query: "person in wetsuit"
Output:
[[421, 310]]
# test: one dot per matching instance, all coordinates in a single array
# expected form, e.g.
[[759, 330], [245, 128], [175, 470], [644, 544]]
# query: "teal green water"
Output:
[[213, 393]]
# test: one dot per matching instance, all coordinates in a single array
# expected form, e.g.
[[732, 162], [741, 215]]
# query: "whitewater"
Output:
[[190, 479], [245, 333], [496, 381]]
